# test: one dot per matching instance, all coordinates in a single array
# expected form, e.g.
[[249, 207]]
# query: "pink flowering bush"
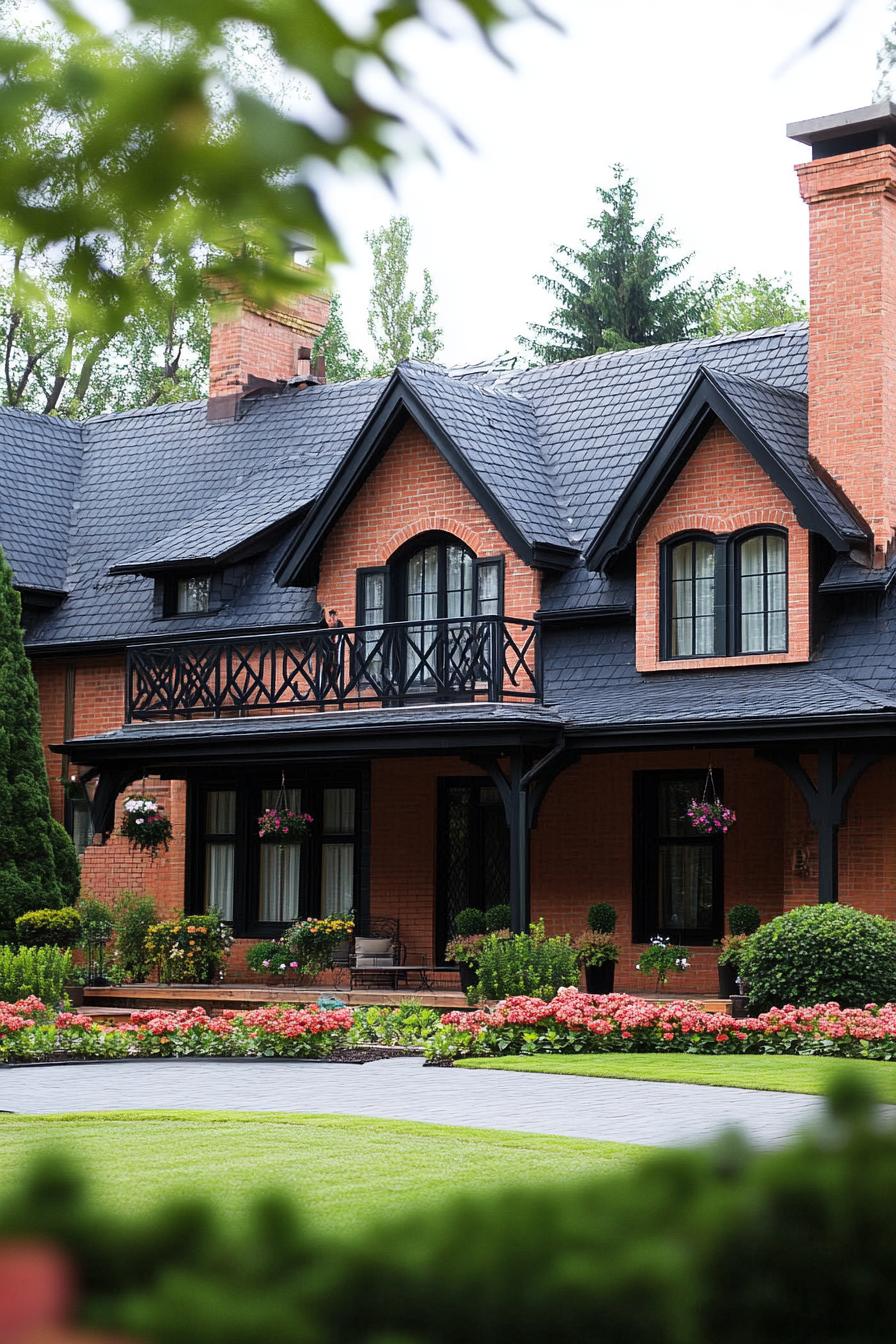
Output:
[[29, 1031], [577, 1023], [710, 818]]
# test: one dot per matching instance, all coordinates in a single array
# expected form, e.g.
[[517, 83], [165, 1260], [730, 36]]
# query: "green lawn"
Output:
[[774, 1073], [342, 1167]]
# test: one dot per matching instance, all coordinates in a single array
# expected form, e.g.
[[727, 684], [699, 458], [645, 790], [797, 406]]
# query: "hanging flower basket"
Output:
[[709, 815], [144, 825], [283, 826]]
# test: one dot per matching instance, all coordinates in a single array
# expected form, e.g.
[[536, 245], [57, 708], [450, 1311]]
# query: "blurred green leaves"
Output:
[[119, 144]]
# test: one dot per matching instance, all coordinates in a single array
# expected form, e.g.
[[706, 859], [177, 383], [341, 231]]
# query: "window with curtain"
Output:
[[337, 851], [691, 598], [678, 871], [192, 594], [372, 613], [220, 850], [761, 587], [279, 868]]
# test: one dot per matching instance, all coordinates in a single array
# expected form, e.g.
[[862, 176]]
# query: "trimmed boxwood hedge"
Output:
[[49, 928], [819, 954]]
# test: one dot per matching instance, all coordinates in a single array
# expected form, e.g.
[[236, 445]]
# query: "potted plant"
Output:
[[189, 949], [598, 953], [144, 825], [742, 921], [464, 950], [311, 942], [283, 826], [660, 958]]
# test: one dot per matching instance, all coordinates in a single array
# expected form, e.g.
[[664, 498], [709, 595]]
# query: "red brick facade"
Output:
[[720, 490], [245, 341]]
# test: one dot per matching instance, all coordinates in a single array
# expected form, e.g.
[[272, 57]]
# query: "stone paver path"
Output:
[[628, 1111]]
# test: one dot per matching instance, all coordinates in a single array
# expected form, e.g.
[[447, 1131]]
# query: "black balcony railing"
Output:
[[467, 658]]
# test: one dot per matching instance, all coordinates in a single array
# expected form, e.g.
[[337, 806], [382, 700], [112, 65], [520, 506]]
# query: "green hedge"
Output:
[[689, 1247], [821, 954], [34, 970], [49, 928]]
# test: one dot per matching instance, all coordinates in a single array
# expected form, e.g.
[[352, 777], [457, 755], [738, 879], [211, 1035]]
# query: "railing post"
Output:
[[496, 640]]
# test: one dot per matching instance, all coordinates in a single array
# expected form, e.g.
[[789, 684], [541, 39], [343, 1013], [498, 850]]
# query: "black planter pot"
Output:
[[75, 995], [727, 980], [467, 972], [599, 979]]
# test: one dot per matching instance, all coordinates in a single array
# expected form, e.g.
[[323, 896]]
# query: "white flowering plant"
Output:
[[144, 824], [660, 958]]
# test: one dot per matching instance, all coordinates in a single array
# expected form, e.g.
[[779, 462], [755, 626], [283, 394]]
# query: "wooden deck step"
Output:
[[217, 997]]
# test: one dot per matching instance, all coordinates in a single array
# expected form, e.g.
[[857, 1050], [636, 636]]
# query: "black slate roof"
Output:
[[41, 459]]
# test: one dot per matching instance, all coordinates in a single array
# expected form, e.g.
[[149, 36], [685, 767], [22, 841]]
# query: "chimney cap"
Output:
[[846, 132]]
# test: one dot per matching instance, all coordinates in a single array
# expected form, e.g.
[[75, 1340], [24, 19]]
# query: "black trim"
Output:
[[735, 636], [585, 615], [703, 402], [475, 784], [398, 404], [669, 545], [646, 840]]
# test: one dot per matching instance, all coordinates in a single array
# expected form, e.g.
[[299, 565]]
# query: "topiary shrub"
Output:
[[821, 954], [743, 919], [497, 917], [602, 917], [49, 928], [468, 921]]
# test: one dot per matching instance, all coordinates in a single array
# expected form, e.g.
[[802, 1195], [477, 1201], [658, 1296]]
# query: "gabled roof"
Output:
[[489, 441], [770, 422], [234, 526], [41, 458]]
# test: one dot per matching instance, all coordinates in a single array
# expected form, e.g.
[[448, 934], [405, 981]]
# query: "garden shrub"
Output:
[[743, 919], [49, 928], [41, 971], [260, 956], [819, 954], [526, 963], [97, 921], [645, 1254], [497, 917], [602, 917], [188, 948], [469, 921], [408, 1024], [133, 916], [65, 863]]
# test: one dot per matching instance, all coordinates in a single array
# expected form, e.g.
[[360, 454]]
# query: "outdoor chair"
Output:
[[376, 948]]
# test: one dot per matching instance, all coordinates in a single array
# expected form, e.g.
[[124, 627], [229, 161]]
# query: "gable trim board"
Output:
[[704, 401], [398, 404]]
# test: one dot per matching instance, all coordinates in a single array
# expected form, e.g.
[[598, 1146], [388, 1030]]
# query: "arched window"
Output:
[[760, 592], [691, 598]]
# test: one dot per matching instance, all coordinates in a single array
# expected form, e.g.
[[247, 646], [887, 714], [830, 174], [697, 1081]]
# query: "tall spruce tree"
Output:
[[28, 866], [619, 289]]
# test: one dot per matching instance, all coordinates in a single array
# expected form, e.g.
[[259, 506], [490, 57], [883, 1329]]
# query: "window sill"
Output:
[[734, 660]]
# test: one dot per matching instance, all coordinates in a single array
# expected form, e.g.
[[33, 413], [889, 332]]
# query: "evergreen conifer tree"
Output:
[[28, 878], [622, 288], [343, 360]]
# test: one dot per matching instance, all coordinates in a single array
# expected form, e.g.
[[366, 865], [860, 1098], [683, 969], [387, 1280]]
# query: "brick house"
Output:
[[560, 596]]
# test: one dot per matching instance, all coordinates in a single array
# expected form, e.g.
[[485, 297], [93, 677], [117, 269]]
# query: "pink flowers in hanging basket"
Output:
[[284, 826], [710, 818]]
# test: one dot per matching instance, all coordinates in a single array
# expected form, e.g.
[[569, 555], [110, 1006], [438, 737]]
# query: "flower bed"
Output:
[[574, 1023], [29, 1031]]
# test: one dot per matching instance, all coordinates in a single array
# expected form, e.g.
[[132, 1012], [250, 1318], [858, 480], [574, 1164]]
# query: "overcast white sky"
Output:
[[690, 96]]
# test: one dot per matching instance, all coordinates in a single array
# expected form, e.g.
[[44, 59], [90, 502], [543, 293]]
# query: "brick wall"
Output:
[[720, 490], [413, 490], [852, 328]]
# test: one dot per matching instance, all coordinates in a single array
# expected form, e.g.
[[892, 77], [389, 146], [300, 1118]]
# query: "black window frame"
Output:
[[167, 594], [735, 547], [727, 590], [646, 840], [474, 786], [393, 574], [248, 786]]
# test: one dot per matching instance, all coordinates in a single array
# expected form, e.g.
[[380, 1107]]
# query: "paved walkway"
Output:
[[662, 1114]]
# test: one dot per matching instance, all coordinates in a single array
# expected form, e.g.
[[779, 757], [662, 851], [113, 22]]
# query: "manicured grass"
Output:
[[343, 1167], [773, 1073]]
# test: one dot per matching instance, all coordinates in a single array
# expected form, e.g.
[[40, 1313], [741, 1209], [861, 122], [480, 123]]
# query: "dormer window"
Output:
[[724, 596], [193, 594]]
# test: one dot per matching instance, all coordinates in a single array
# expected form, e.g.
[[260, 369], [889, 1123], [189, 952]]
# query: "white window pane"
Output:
[[752, 555], [337, 879], [82, 825], [682, 639], [487, 583], [339, 811], [752, 595], [293, 799], [374, 598], [775, 553], [777, 592], [192, 594], [705, 592], [777, 631], [682, 599], [752, 634], [682, 557], [704, 560], [278, 882], [218, 893], [704, 633], [220, 812]]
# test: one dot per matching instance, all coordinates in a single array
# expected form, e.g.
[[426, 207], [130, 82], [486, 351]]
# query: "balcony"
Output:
[[472, 658]]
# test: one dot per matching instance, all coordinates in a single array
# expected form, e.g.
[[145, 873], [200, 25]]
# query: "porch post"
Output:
[[826, 802], [517, 807]]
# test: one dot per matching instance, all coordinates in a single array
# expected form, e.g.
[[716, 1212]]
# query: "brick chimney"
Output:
[[248, 342], [850, 188]]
